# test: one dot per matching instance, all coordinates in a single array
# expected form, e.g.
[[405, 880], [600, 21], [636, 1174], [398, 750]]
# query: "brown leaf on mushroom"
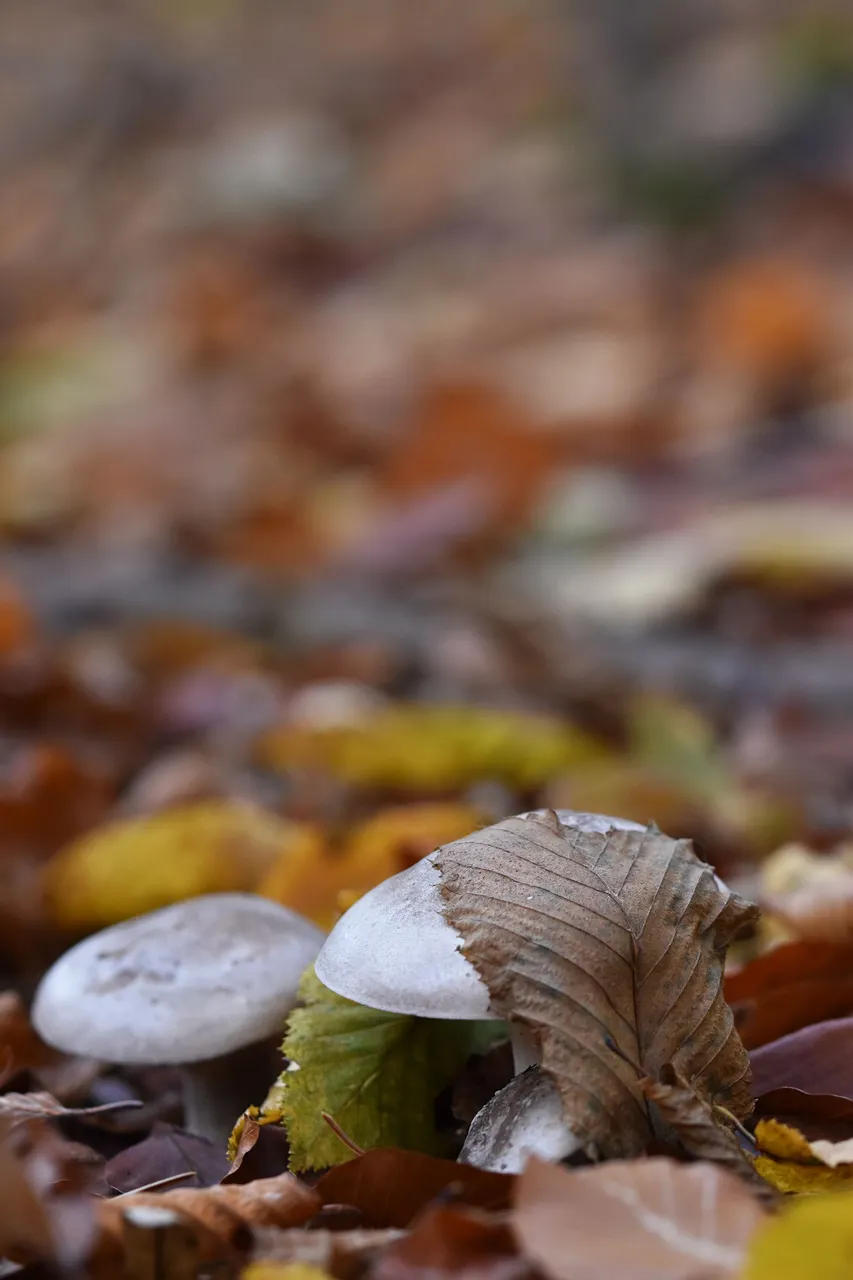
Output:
[[591, 940]]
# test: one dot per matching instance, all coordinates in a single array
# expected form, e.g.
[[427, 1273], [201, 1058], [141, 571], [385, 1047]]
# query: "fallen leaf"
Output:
[[219, 1215], [167, 1151], [590, 940], [48, 1211], [377, 1074], [345, 1254], [21, 1049], [793, 985], [128, 868], [790, 1163], [467, 432], [816, 1115], [648, 1219], [258, 1148], [428, 749], [390, 1186], [694, 1122], [447, 1240], [268, 1270], [823, 912], [311, 878], [811, 1237], [816, 1059]]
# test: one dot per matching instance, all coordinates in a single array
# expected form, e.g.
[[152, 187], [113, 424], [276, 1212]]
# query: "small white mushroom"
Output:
[[523, 1119], [199, 985], [395, 950]]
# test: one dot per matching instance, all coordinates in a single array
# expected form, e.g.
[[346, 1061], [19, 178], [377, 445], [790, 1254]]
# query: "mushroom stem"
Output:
[[218, 1091], [525, 1050]]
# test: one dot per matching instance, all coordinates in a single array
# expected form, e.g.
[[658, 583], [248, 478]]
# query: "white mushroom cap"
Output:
[[186, 984], [394, 949]]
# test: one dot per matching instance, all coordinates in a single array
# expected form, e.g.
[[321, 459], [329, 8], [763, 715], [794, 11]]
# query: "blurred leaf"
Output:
[[812, 1237], [390, 1186], [423, 748], [790, 1163], [316, 880], [376, 1074], [651, 1219], [815, 1059], [127, 868], [790, 987]]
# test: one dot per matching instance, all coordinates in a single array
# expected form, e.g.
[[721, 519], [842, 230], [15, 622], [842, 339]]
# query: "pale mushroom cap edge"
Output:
[[184, 984]]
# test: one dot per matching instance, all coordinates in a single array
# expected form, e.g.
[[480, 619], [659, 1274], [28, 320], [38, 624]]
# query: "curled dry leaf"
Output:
[[790, 987], [218, 1215], [639, 1220], [694, 1122], [596, 940]]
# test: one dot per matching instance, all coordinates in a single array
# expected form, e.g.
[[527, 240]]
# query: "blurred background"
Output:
[[410, 415]]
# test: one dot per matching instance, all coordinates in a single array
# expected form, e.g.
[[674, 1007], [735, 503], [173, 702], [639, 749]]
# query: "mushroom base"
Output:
[[217, 1092]]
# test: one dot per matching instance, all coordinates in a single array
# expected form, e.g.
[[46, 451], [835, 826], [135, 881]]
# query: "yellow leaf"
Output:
[[320, 883], [434, 748], [272, 1270], [130, 867], [790, 1163], [809, 1238]]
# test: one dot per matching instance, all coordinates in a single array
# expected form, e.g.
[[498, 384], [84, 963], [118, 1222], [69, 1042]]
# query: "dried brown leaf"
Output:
[[391, 1186], [220, 1216], [44, 1189], [447, 1240], [791, 987], [596, 940], [694, 1122], [649, 1219]]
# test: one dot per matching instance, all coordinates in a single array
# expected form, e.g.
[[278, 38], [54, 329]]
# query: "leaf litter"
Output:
[[370, 471]]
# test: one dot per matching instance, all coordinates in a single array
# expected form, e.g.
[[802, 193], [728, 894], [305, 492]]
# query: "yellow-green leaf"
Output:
[[376, 1074], [127, 868], [434, 748], [812, 1237]]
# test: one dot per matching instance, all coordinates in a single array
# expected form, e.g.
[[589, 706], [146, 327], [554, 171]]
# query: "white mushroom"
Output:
[[523, 1119], [395, 950], [198, 985]]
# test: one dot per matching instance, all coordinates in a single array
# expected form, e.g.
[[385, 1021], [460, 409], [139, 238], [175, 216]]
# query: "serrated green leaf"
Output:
[[377, 1074]]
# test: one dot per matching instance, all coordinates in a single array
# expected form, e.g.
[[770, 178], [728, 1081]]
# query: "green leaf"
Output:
[[377, 1074]]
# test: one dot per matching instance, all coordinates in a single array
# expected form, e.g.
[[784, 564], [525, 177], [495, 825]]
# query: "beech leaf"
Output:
[[694, 1123], [609, 949], [790, 1163], [649, 1219], [376, 1074]]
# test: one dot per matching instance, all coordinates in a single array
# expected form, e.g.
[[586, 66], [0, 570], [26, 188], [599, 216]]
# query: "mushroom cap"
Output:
[[185, 984], [394, 949]]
